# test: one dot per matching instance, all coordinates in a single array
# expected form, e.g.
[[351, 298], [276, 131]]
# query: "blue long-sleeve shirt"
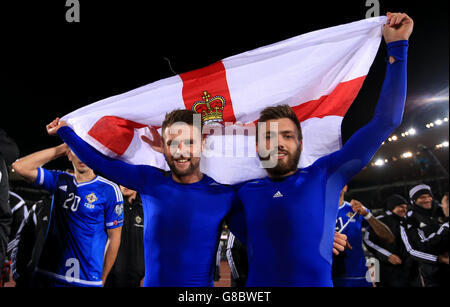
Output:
[[181, 221], [290, 222]]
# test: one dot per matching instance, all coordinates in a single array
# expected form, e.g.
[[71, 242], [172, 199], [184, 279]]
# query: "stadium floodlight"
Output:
[[379, 162], [394, 138], [412, 131], [407, 155], [445, 144], [438, 122]]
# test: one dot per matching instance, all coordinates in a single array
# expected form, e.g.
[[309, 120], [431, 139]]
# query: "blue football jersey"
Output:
[[351, 264], [75, 242]]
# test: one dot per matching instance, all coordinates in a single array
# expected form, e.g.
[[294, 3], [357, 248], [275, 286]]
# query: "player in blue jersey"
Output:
[[291, 214], [86, 213], [349, 268]]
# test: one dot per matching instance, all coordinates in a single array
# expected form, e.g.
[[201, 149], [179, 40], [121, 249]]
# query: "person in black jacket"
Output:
[[395, 264], [422, 225], [26, 248], [129, 268], [238, 260], [8, 154], [443, 244]]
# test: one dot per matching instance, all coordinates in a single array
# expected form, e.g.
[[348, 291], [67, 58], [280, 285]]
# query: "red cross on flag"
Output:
[[319, 74]]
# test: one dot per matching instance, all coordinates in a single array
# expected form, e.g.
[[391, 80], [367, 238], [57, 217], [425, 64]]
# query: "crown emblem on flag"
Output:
[[211, 109]]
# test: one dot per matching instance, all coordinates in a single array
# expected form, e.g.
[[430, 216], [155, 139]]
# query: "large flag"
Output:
[[318, 74]]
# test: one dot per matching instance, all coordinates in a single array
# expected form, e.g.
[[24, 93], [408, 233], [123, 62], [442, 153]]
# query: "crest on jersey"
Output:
[[91, 198], [119, 209], [138, 219], [350, 215]]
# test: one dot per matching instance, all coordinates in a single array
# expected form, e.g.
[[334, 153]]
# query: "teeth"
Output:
[[182, 161]]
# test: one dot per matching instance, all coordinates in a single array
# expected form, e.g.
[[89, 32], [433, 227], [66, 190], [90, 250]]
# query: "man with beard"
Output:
[[420, 236], [183, 208], [291, 214]]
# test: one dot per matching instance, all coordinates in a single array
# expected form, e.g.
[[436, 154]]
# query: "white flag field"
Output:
[[318, 74]]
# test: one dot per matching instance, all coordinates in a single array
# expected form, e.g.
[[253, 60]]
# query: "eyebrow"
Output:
[[280, 132]]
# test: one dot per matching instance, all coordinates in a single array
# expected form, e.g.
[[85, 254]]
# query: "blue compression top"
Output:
[[291, 222]]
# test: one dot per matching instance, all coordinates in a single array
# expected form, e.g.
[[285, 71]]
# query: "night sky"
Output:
[[51, 67]]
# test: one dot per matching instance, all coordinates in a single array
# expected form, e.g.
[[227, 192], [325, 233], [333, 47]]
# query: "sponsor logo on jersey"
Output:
[[278, 195]]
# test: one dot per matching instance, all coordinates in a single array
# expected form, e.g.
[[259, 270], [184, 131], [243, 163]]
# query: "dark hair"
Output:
[[183, 116], [278, 112]]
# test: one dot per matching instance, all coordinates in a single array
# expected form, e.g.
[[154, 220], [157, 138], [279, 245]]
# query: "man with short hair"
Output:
[[86, 213], [395, 267], [183, 208], [291, 214], [128, 270], [422, 225], [350, 268]]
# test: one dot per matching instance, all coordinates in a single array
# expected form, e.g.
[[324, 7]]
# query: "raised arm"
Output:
[[379, 228], [128, 175], [28, 166], [363, 145]]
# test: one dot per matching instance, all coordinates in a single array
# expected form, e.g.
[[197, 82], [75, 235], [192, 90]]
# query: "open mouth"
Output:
[[281, 155], [182, 161]]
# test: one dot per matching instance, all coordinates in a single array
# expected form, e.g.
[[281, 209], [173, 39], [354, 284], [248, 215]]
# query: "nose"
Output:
[[281, 144], [182, 150]]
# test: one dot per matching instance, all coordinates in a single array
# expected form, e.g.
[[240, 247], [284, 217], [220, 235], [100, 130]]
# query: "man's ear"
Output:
[[203, 142]]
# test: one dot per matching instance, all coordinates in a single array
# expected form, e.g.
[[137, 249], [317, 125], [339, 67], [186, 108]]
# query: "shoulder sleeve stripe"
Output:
[[117, 191], [40, 176], [374, 246], [413, 252]]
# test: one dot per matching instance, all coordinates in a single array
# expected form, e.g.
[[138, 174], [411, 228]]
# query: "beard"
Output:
[[285, 167], [194, 164]]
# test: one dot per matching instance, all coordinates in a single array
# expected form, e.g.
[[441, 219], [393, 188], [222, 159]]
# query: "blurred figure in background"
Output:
[[395, 264], [420, 236], [9, 152], [238, 260], [350, 267], [129, 268]]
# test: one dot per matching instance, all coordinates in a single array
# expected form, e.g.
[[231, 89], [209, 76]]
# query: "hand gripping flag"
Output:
[[318, 74]]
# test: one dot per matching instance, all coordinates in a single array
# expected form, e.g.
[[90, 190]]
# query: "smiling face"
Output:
[[425, 201], [400, 210], [183, 145], [281, 139]]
